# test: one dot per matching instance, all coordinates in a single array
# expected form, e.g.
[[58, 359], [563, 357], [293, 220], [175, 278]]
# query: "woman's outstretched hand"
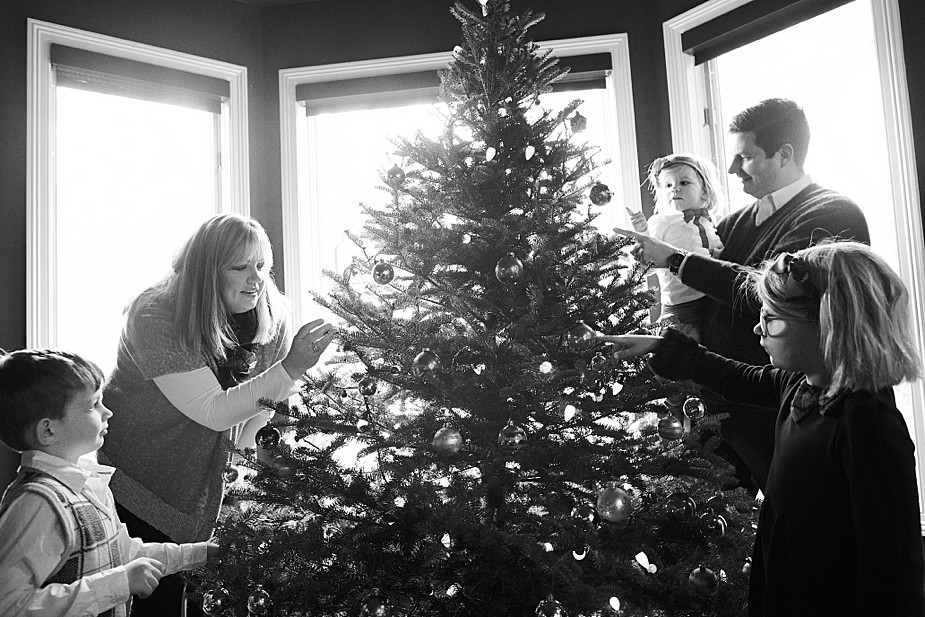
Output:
[[630, 345], [307, 346]]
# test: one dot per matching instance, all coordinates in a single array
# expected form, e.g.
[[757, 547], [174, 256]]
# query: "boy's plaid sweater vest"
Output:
[[90, 534]]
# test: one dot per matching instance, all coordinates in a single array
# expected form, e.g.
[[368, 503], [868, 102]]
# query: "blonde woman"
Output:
[[197, 352], [839, 529]]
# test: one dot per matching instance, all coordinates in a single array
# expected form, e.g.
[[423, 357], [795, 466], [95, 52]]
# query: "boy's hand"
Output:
[[215, 551], [638, 219], [144, 574]]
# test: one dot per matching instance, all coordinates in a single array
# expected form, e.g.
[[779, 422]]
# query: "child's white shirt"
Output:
[[671, 228], [32, 545]]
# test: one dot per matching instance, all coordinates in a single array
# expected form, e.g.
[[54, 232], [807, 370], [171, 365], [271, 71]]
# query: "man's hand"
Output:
[[649, 250]]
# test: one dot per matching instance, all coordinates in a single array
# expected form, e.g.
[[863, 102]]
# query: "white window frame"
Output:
[[41, 231], [301, 214], [689, 90]]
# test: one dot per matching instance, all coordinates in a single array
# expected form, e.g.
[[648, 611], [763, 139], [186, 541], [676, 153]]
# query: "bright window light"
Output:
[[350, 149], [133, 180]]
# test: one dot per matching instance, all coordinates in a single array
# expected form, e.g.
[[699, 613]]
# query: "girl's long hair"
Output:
[[863, 311], [194, 286]]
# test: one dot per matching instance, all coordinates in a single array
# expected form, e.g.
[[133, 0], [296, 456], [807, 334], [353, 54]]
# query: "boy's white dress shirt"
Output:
[[32, 545]]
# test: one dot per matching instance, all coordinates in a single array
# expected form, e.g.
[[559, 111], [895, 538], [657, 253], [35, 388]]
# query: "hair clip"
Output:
[[797, 274]]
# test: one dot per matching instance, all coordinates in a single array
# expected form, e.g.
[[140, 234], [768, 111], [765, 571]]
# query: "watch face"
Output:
[[674, 261]]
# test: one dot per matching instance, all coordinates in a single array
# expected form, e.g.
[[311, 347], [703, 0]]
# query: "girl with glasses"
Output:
[[839, 531]]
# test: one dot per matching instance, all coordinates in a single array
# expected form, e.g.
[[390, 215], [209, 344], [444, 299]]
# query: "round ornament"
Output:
[[425, 362], [283, 468], [670, 428], [717, 504], [368, 386], [585, 514], [375, 605], [215, 601], [509, 269], [395, 176], [447, 441], [578, 123], [613, 504], [714, 525], [550, 607], [259, 603], [512, 438], [230, 473], [600, 194], [680, 506], [268, 436], [383, 273], [703, 582], [694, 408], [581, 336]]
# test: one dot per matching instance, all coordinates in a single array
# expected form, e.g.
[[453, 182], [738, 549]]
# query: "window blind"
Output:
[[89, 70], [749, 23]]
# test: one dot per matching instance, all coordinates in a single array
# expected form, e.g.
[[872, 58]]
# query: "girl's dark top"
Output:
[[839, 531]]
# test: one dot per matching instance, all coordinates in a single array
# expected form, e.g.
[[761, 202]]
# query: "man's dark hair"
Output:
[[775, 122]]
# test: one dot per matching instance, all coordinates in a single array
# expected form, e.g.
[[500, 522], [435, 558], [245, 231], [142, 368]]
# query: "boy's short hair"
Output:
[[36, 384]]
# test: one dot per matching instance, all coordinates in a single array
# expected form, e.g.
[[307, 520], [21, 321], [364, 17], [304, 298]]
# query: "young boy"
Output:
[[63, 550]]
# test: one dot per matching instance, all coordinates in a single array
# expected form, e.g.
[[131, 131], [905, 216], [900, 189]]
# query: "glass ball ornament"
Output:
[[383, 273], [550, 607], [512, 438], [395, 176], [425, 362], [268, 436], [694, 408], [703, 582], [714, 525], [613, 504], [375, 604], [717, 504], [680, 506], [578, 123], [585, 514], [670, 428], [215, 601], [368, 386], [283, 468], [447, 441], [600, 194], [581, 336], [259, 602], [509, 269], [230, 473]]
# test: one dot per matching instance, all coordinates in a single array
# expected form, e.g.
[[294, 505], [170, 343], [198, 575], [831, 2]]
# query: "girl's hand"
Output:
[[638, 219], [307, 346], [630, 345]]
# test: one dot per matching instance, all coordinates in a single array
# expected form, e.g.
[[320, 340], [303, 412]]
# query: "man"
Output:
[[771, 140]]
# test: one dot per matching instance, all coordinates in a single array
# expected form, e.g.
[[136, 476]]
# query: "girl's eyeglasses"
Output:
[[774, 325]]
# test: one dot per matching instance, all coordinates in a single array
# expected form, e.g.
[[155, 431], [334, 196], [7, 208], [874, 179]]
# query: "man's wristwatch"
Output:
[[675, 260]]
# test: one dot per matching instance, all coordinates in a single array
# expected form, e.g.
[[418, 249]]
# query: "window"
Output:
[[332, 159], [125, 165], [855, 97]]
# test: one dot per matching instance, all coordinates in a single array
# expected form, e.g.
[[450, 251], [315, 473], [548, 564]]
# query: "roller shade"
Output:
[[89, 70]]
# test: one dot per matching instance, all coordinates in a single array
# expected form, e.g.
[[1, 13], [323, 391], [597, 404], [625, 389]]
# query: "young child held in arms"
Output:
[[838, 532], [686, 189], [63, 550]]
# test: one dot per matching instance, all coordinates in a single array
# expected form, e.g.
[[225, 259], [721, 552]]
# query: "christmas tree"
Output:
[[508, 465]]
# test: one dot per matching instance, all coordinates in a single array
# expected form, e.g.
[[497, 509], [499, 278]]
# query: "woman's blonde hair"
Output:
[[862, 307], [194, 286], [706, 171]]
